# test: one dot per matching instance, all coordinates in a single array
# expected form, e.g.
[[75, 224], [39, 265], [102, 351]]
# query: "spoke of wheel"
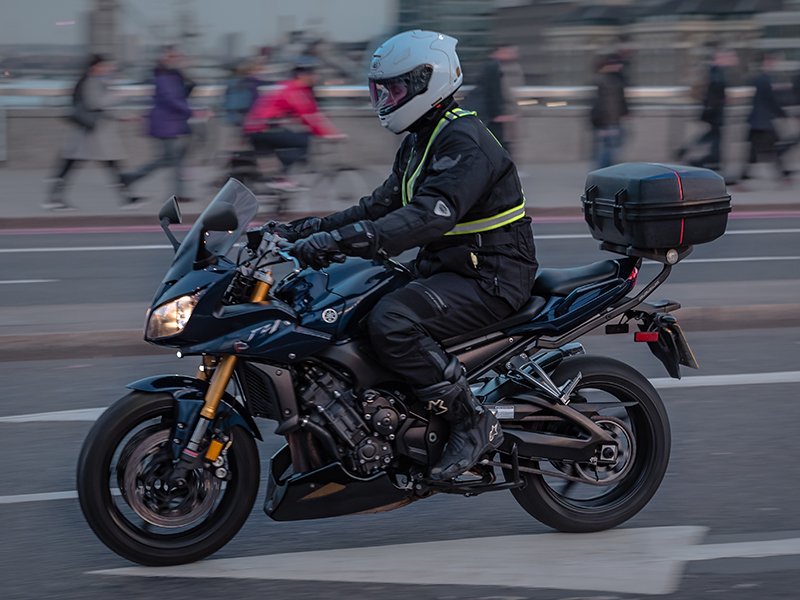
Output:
[[569, 483]]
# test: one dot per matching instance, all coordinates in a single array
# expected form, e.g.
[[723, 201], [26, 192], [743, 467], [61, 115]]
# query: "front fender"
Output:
[[189, 394]]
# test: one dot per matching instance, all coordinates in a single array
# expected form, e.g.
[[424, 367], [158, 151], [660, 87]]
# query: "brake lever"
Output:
[[283, 248]]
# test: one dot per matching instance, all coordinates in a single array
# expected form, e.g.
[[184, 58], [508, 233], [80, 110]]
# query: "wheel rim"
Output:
[[621, 480], [143, 483], [158, 514], [607, 474]]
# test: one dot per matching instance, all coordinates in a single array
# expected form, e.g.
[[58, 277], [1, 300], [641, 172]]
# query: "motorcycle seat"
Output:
[[526, 313], [560, 282]]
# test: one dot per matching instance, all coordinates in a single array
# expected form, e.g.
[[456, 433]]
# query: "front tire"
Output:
[[124, 498], [642, 428]]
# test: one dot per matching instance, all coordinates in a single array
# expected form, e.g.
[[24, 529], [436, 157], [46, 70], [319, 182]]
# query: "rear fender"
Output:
[[670, 346], [189, 395]]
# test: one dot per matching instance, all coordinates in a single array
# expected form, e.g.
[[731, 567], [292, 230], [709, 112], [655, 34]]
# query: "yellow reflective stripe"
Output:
[[408, 184], [489, 223], [495, 139]]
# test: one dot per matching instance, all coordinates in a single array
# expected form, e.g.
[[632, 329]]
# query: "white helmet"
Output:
[[410, 73]]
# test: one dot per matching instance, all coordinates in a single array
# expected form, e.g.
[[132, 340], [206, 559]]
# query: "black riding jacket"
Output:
[[467, 176]]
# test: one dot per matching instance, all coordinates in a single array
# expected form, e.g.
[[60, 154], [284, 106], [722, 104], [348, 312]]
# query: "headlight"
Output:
[[171, 317]]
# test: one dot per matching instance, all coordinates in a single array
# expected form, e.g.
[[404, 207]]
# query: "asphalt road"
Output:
[[730, 492], [725, 521]]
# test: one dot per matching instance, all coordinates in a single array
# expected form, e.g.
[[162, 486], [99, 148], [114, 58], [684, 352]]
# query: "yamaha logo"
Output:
[[329, 315]]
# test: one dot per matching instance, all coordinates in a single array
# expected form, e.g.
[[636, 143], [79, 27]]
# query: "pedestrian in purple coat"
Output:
[[169, 120]]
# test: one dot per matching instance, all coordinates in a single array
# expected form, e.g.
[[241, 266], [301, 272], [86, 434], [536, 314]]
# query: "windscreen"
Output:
[[245, 205]]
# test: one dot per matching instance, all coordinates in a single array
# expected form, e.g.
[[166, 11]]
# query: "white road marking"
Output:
[[19, 498], [761, 231], [46, 496], [23, 281], [733, 259], [633, 561], [60, 416], [736, 379], [562, 236], [754, 549], [85, 249], [586, 236]]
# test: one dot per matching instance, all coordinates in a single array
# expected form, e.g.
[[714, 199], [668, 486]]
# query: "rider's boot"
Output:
[[474, 430]]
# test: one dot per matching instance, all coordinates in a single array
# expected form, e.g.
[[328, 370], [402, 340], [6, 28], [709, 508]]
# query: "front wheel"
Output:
[[126, 498], [620, 400]]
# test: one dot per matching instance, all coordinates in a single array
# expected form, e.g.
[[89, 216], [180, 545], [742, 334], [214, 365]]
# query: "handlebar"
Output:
[[273, 243]]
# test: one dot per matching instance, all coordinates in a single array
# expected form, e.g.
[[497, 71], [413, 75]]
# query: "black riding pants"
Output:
[[405, 325]]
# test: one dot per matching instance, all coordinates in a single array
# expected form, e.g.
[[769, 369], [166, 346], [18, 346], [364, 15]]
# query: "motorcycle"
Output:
[[169, 473]]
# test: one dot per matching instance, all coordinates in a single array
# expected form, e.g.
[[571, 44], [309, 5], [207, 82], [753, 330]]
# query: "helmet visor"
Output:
[[390, 94]]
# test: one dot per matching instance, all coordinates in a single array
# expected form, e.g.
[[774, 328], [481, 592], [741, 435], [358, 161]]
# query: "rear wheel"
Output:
[[626, 405], [129, 503]]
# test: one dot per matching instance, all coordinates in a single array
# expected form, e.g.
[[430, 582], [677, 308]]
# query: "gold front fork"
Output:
[[219, 381], [224, 370]]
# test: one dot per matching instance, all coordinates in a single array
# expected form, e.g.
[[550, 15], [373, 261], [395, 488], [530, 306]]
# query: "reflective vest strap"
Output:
[[479, 225], [488, 223], [408, 182]]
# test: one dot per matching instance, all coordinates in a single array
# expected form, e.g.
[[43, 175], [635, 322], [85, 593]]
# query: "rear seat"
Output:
[[549, 282], [560, 282]]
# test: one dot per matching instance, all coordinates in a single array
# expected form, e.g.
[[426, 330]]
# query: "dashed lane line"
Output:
[[26, 281]]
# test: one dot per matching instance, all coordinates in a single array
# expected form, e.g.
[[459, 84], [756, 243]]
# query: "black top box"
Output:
[[655, 206]]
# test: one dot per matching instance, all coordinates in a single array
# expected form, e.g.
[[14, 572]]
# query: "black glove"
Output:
[[358, 239], [317, 250], [297, 229]]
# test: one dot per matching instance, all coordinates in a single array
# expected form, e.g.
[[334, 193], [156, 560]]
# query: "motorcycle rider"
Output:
[[455, 192]]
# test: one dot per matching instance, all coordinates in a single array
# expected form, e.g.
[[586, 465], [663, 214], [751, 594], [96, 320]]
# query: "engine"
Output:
[[363, 427]]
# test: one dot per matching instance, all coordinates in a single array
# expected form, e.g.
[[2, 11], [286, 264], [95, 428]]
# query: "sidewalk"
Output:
[[552, 189]]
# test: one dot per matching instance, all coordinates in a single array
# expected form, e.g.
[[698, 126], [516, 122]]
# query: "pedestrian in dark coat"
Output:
[[169, 121], [713, 112], [608, 110], [493, 96], [763, 136]]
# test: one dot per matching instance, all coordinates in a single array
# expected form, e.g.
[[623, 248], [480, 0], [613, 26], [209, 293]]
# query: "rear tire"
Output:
[[636, 484], [126, 504]]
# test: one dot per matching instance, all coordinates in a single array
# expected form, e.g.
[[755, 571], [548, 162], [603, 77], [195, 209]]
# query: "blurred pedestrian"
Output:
[[169, 120], [241, 92], [493, 97], [609, 108], [282, 121], [763, 135], [95, 134], [712, 113]]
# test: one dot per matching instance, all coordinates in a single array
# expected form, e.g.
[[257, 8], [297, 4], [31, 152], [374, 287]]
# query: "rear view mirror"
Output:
[[220, 217], [170, 214], [170, 211]]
